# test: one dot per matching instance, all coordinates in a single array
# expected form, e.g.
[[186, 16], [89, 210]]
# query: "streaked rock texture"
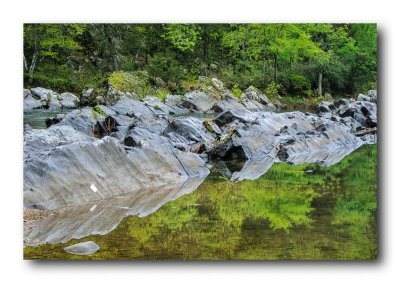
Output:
[[108, 162]]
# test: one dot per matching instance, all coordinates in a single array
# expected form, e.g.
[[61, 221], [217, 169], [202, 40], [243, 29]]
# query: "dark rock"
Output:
[[323, 107], [358, 114], [54, 120]]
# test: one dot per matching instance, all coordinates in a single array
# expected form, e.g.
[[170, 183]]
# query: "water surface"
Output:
[[36, 117], [291, 212]]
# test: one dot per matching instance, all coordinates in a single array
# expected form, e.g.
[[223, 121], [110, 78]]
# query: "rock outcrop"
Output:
[[69, 100], [146, 151], [71, 170], [357, 115], [31, 103], [199, 101], [40, 97], [253, 93]]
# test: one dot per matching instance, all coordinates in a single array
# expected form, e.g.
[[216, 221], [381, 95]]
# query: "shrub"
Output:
[[237, 92], [162, 93], [137, 82], [272, 90], [190, 85], [299, 82]]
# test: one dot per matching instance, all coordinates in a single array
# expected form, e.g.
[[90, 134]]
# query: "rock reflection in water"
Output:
[[101, 217], [254, 169], [288, 213]]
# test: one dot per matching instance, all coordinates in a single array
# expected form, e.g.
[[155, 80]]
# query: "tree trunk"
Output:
[[320, 84], [275, 68], [32, 67]]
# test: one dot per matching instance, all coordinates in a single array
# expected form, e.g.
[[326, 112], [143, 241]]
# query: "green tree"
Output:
[[182, 36], [54, 43]]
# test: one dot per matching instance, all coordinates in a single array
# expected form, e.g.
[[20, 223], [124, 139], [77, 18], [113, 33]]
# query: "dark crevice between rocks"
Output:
[[235, 153]]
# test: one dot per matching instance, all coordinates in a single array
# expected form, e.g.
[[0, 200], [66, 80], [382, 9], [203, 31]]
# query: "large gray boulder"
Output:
[[84, 119], [194, 131], [38, 143], [79, 171], [198, 101], [54, 102], [31, 103], [42, 94], [114, 95], [69, 100], [362, 97], [227, 104], [253, 93], [160, 108], [49, 98], [132, 108]]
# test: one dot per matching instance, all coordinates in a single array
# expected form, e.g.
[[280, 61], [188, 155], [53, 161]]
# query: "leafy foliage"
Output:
[[300, 58], [137, 82], [236, 91]]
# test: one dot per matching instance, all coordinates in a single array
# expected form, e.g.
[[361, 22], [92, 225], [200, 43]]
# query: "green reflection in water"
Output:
[[289, 213]]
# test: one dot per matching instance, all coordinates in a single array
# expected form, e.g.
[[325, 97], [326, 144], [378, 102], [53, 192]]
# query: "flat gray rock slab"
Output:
[[85, 248]]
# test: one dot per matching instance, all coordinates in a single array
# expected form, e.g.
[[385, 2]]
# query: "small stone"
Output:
[[85, 248]]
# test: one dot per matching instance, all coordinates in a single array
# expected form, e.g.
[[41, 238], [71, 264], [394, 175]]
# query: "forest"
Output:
[[289, 60]]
